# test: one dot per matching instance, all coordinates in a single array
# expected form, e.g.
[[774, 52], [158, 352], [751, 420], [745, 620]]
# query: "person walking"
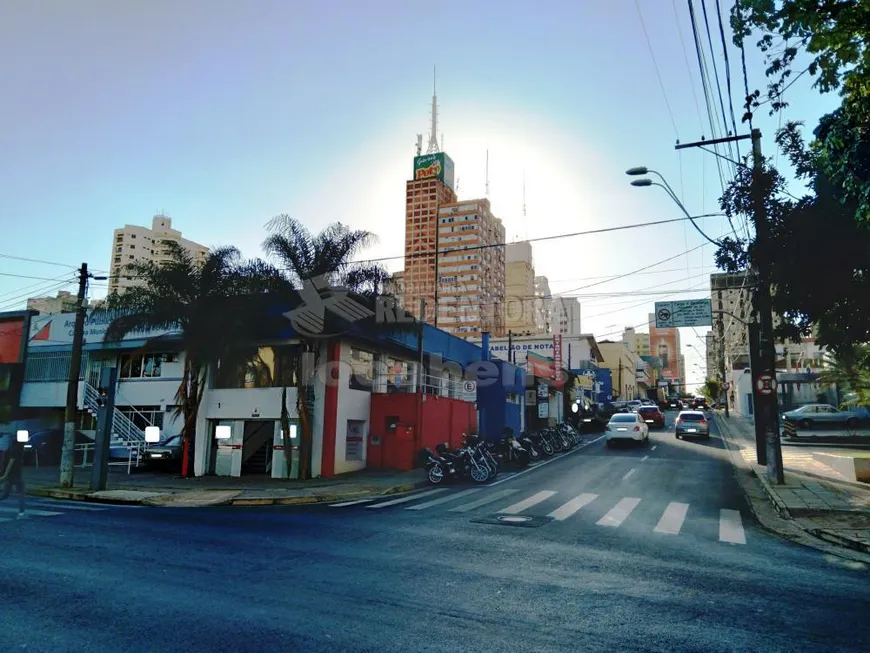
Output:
[[13, 475]]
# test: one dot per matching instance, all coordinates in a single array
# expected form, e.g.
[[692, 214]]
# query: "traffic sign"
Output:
[[766, 384], [470, 386], [684, 313]]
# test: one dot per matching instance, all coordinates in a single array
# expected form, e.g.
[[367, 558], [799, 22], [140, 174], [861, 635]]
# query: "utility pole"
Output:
[[767, 409], [762, 348], [67, 459], [721, 329], [105, 419]]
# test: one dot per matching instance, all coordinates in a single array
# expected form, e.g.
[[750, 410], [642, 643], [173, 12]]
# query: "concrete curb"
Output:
[[840, 540], [85, 496]]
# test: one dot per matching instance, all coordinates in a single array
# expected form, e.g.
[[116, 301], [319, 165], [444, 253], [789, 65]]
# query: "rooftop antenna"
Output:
[[419, 144], [525, 219], [433, 127], [487, 173]]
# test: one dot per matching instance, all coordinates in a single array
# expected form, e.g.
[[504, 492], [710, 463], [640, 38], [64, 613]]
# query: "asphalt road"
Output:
[[589, 572]]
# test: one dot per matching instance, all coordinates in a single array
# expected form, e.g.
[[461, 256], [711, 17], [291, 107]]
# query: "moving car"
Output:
[[652, 415], [634, 404], [627, 426], [693, 424], [699, 403]]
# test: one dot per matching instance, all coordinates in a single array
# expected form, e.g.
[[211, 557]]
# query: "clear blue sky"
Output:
[[226, 113]]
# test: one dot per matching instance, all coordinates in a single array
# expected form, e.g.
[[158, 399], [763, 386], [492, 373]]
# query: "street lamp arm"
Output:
[[671, 194]]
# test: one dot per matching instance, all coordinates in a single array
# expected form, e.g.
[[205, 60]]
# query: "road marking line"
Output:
[[547, 462], [413, 497], [527, 503], [349, 503], [672, 519], [495, 496], [629, 473], [35, 513], [65, 506], [438, 502], [619, 513], [654, 447], [566, 510], [644, 458], [731, 527]]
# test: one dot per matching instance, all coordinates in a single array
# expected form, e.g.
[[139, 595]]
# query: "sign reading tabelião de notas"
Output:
[[684, 313]]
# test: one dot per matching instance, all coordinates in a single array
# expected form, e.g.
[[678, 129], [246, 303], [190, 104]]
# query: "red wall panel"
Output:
[[11, 332]]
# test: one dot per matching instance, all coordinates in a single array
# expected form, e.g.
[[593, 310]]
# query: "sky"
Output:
[[223, 114]]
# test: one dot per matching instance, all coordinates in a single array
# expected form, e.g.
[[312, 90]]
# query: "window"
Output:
[[362, 369], [147, 366], [264, 367]]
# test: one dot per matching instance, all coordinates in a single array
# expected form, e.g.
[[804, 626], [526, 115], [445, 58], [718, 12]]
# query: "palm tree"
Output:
[[849, 368], [327, 256], [216, 304]]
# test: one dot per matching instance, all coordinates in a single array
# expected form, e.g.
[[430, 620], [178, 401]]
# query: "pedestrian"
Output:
[[13, 475]]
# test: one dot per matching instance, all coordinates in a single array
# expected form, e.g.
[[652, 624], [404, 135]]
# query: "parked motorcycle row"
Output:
[[482, 460]]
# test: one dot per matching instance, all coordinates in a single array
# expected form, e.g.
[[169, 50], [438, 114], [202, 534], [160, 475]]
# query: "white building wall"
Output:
[[352, 405]]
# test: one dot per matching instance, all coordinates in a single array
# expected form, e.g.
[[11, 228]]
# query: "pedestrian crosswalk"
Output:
[[38, 509], [606, 511]]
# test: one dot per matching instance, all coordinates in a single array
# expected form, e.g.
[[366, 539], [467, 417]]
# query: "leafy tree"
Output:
[[327, 257], [216, 304], [712, 389], [850, 370], [817, 256]]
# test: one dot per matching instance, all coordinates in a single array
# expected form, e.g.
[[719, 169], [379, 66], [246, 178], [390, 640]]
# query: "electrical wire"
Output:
[[36, 260], [728, 76], [656, 66], [688, 67]]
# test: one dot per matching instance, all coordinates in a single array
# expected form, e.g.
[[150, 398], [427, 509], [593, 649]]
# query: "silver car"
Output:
[[692, 424], [821, 415]]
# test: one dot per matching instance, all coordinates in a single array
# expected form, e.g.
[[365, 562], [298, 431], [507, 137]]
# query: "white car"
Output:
[[634, 404], [627, 426]]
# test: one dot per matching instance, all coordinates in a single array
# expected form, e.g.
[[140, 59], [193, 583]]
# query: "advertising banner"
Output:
[[557, 350], [663, 344], [437, 165], [57, 330]]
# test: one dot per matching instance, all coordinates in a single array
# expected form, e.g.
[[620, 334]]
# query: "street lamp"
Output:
[[643, 170]]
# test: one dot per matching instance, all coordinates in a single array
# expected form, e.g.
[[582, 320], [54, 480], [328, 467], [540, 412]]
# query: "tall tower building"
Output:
[[520, 309], [134, 244]]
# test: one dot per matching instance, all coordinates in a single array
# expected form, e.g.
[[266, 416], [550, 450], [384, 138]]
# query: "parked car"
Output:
[[821, 415], [627, 426], [652, 415], [692, 423], [165, 454]]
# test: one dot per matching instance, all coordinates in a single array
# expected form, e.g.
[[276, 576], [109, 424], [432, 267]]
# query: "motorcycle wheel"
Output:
[[480, 474], [436, 474], [534, 454], [547, 448]]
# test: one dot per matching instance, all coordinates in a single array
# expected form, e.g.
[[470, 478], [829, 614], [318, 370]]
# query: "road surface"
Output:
[[648, 548]]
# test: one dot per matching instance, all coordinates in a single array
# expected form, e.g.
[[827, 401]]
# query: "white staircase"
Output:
[[123, 432]]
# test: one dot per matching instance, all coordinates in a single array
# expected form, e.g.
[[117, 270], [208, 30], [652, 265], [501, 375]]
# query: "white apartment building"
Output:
[[133, 243], [566, 316], [729, 293], [542, 302], [64, 302]]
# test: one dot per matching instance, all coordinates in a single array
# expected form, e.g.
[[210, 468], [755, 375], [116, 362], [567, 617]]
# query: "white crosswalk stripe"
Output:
[[525, 504], [672, 519], [43, 508], [566, 510], [731, 527], [670, 522], [412, 497], [495, 496], [438, 502], [620, 512]]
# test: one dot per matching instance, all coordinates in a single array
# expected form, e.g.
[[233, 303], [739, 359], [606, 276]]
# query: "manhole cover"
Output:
[[523, 521]]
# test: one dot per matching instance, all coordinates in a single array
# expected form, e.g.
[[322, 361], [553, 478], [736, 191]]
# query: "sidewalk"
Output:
[[171, 491], [817, 498]]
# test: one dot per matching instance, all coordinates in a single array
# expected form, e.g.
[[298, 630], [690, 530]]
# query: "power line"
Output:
[[688, 67], [656, 66], [24, 276], [727, 75], [36, 260]]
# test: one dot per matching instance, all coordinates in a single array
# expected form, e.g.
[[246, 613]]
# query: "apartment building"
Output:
[[396, 286], [543, 316], [470, 269], [64, 302], [729, 293], [521, 309], [637, 343], [133, 243], [566, 316]]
